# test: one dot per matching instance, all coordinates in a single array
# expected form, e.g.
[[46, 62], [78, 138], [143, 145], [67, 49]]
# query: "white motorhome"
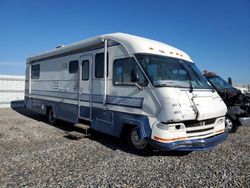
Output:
[[124, 84]]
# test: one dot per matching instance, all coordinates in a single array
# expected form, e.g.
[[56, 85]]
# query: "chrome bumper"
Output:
[[245, 121]]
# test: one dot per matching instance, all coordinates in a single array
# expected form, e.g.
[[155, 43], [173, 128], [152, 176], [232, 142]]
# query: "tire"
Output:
[[136, 144], [230, 125], [50, 117]]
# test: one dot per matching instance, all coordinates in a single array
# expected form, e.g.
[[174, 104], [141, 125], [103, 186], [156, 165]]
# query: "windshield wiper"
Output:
[[191, 86], [190, 78]]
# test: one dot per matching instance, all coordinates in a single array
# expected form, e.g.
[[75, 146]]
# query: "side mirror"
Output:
[[134, 75], [230, 80]]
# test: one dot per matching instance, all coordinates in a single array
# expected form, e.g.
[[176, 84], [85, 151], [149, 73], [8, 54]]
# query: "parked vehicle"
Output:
[[238, 104], [127, 85]]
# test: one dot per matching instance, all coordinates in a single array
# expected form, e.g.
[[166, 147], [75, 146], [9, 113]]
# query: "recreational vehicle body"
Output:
[[125, 84]]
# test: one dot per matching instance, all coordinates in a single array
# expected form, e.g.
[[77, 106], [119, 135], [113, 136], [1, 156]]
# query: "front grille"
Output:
[[195, 123], [200, 130], [199, 135]]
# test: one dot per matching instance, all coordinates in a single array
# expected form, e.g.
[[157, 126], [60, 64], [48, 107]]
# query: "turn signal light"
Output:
[[219, 131], [168, 139]]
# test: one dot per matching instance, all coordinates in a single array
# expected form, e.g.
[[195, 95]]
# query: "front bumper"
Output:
[[190, 145], [245, 121]]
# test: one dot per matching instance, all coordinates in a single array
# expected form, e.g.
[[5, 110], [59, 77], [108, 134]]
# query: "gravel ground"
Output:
[[35, 154]]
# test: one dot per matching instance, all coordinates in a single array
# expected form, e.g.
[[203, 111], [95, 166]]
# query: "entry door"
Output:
[[85, 85]]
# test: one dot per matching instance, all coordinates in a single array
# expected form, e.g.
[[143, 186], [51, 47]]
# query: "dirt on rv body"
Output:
[[36, 154]]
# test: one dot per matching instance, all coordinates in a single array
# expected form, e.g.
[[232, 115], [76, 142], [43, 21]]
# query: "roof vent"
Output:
[[60, 46]]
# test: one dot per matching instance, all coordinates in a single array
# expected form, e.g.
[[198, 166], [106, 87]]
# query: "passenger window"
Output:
[[35, 71], [99, 65], [122, 72], [85, 70], [73, 66]]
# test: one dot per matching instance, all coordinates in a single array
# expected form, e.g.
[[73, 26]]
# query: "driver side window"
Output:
[[122, 72]]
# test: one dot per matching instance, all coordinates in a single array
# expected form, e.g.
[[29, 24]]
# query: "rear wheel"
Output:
[[50, 117], [136, 143]]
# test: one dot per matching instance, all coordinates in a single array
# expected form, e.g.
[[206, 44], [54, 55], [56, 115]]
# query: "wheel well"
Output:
[[231, 117], [126, 128], [48, 108]]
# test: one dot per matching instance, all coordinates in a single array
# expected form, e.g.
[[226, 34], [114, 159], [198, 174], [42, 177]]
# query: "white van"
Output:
[[127, 85]]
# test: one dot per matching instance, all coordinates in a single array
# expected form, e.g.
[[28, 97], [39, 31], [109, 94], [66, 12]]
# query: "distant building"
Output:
[[245, 88], [11, 91]]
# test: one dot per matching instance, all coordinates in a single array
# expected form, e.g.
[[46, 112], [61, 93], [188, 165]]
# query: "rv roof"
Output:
[[133, 44]]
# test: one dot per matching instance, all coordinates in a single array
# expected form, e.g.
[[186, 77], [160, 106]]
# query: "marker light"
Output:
[[219, 131]]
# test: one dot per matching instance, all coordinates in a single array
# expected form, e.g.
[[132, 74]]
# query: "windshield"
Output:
[[166, 72], [219, 83]]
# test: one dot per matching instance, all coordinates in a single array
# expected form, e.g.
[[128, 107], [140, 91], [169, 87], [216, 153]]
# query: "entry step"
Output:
[[75, 135], [82, 126]]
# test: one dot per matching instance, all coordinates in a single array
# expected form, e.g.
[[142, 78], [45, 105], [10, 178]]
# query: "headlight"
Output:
[[220, 121], [171, 127]]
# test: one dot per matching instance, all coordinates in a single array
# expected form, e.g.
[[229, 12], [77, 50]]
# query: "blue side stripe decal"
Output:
[[125, 101], [136, 102]]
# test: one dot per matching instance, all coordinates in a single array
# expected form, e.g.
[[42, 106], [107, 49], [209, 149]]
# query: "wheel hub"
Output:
[[136, 141], [229, 124]]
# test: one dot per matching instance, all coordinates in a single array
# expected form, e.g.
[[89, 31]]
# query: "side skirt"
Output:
[[105, 121]]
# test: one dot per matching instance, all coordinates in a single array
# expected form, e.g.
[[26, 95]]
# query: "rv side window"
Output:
[[99, 65], [85, 70], [73, 66], [35, 71], [122, 72]]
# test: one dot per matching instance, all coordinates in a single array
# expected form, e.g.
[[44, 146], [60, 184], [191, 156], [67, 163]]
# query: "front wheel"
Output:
[[136, 143], [230, 126]]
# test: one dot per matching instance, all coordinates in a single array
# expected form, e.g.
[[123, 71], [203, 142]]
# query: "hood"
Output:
[[181, 105]]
